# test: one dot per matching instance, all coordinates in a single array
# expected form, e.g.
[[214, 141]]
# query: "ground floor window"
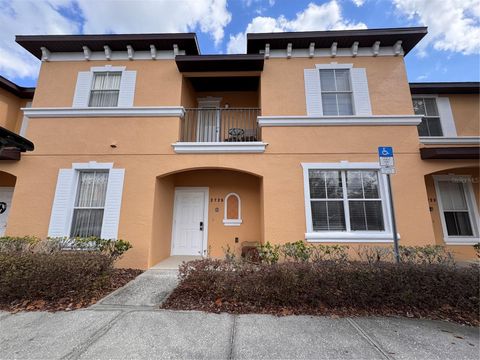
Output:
[[457, 207], [89, 204], [344, 200]]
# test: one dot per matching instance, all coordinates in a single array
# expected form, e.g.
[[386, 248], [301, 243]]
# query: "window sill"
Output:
[[461, 240], [231, 222], [219, 147], [344, 237]]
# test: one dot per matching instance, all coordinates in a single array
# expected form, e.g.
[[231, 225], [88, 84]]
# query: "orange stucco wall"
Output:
[[283, 89], [466, 113], [271, 184], [10, 114]]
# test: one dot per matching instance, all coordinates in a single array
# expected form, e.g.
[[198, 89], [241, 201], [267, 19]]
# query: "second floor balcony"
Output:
[[213, 125]]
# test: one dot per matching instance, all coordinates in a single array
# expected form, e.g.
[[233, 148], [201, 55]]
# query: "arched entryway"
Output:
[[7, 186], [194, 214]]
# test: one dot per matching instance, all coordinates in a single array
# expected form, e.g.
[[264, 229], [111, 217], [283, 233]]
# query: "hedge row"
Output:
[[329, 284]]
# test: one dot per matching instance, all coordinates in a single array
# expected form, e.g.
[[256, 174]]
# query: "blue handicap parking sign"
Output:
[[385, 151]]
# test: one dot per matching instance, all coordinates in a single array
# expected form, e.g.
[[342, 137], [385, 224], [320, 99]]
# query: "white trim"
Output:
[[348, 236], [452, 140], [92, 165], [339, 120], [472, 210], [219, 147], [205, 217], [446, 116], [232, 222], [108, 68], [24, 126], [340, 52], [134, 111], [333, 66], [114, 55]]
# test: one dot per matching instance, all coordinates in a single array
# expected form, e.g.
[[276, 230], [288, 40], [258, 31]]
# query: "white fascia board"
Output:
[[450, 140], [341, 52], [382, 120], [114, 55], [218, 147], [146, 111]]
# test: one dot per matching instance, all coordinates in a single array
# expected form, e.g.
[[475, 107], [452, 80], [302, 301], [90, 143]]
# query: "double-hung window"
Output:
[[457, 208], [430, 125], [336, 91], [89, 204], [105, 89], [345, 203]]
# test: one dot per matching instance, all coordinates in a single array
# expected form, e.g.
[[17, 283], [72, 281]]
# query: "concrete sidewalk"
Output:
[[128, 324]]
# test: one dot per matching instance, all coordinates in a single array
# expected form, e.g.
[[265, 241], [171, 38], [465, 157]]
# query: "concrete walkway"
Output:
[[128, 324]]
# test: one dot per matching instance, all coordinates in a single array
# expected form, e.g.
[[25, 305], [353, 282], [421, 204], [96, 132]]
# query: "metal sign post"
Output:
[[385, 156]]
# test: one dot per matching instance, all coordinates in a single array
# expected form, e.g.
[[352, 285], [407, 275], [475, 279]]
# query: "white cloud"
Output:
[[453, 25], [107, 16], [327, 16], [358, 3]]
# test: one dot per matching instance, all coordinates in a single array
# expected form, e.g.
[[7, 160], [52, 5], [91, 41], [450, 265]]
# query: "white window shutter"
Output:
[[82, 89], [446, 117], [113, 202], [127, 89], [313, 94], [361, 96], [62, 203]]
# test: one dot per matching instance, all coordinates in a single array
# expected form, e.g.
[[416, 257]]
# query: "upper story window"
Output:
[[430, 125], [89, 204], [105, 89], [336, 92]]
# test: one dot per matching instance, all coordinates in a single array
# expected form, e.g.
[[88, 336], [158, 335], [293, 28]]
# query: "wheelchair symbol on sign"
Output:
[[384, 152]]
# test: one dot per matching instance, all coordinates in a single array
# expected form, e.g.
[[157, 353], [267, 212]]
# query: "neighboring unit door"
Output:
[[189, 222], [6, 194], [208, 125]]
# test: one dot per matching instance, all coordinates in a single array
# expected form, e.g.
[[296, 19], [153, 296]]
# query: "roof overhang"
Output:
[[472, 87], [19, 91], [217, 63], [11, 145], [450, 153], [344, 38], [116, 42]]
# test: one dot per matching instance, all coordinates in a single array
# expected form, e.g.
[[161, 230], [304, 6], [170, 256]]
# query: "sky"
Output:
[[450, 52]]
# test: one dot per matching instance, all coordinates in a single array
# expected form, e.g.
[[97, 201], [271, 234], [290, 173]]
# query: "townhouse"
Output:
[[140, 137]]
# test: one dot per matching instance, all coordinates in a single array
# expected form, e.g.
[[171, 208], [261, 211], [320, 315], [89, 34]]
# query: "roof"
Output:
[[116, 42], [344, 38], [472, 87], [241, 62], [20, 91], [14, 142]]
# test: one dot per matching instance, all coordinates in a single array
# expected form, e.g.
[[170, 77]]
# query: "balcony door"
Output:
[[208, 121]]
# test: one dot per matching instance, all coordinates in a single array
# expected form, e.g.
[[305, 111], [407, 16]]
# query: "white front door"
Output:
[[189, 231], [6, 194]]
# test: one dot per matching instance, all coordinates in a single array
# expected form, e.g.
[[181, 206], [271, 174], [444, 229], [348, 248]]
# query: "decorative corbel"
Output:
[[175, 49], [108, 52], [397, 48], [289, 50], [376, 48], [355, 48], [333, 49], [45, 53], [153, 52], [130, 52], [311, 50], [267, 51], [86, 52]]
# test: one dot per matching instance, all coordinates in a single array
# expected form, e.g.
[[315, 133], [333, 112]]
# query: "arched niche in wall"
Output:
[[233, 210]]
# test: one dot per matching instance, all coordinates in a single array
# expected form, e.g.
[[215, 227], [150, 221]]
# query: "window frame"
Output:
[[78, 168], [348, 236], [77, 189], [435, 98], [92, 82], [473, 214], [350, 92]]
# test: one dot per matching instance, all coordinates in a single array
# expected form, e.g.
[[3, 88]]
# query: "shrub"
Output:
[[311, 287], [53, 268], [373, 254], [429, 254], [334, 253], [269, 253], [297, 251], [476, 247], [51, 276]]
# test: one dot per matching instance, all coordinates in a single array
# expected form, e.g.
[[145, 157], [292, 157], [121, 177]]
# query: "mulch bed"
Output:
[[118, 278], [180, 300]]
